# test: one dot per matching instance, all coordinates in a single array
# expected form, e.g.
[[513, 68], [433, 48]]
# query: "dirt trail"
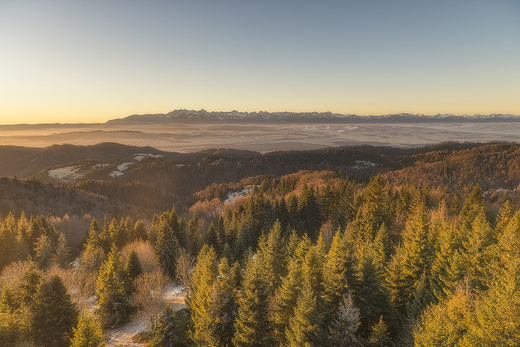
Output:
[[122, 336]]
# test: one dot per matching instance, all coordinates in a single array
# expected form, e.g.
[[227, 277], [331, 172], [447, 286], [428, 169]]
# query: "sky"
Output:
[[90, 61]]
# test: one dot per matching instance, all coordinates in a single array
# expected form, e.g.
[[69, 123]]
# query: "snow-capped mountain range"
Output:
[[203, 116]]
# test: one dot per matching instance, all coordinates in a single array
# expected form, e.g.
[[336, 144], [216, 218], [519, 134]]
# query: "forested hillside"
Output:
[[423, 255]]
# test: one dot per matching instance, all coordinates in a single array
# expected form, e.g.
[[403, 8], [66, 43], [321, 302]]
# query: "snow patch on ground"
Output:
[[122, 336], [120, 169], [141, 156], [68, 174], [123, 166], [362, 164], [234, 195]]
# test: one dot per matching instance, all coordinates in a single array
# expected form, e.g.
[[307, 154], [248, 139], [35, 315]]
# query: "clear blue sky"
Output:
[[90, 61]]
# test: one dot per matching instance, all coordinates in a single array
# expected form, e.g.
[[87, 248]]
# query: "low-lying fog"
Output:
[[257, 137]]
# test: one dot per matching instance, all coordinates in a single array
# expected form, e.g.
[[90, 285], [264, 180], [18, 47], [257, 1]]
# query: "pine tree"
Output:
[[28, 286], [313, 271], [8, 242], [131, 270], [64, 256], [344, 326], [380, 336], [304, 327], [43, 252], [415, 246], [448, 242], [309, 212], [373, 298], [88, 333], [338, 274], [199, 299], [111, 291], [285, 301], [447, 323], [476, 251], [172, 329], [53, 314], [253, 327], [224, 305], [166, 247], [273, 260]]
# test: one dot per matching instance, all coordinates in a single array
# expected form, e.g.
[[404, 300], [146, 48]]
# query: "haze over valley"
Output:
[[187, 133]]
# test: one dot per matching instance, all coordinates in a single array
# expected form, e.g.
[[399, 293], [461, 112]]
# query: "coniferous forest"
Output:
[[426, 253]]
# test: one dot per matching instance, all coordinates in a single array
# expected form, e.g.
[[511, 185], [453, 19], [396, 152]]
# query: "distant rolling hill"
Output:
[[27, 162]]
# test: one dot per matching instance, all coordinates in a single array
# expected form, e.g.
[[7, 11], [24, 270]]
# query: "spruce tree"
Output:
[[53, 314], [166, 247], [285, 301], [253, 327], [373, 298], [171, 329], [345, 325], [338, 274], [224, 305], [273, 259], [304, 327], [199, 298], [111, 291], [88, 333]]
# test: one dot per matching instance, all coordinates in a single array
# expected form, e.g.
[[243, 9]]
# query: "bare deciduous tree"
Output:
[[148, 296], [184, 267]]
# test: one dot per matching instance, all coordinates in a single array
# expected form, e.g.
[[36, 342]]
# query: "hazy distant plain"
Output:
[[258, 137]]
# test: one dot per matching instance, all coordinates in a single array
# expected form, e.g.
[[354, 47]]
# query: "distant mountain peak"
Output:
[[203, 116]]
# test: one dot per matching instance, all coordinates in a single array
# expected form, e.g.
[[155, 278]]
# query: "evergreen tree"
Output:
[[199, 299], [111, 291], [447, 323], [309, 212], [253, 327], [171, 329], [476, 251], [166, 247], [345, 325], [64, 256], [132, 269], [273, 260], [415, 247], [43, 252], [53, 314], [304, 327], [313, 271], [88, 333], [380, 336], [285, 301], [373, 299], [28, 286], [8, 243], [338, 274], [224, 305]]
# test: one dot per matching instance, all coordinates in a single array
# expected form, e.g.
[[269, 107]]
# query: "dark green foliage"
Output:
[[171, 329], [132, 269], [53, 315], [338, 274], [111, 291]]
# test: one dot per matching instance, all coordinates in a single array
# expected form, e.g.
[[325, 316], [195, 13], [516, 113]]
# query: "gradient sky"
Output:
[[90, 61]]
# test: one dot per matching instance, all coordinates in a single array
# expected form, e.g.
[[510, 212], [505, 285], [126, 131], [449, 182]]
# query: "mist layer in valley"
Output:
[[258, 137]]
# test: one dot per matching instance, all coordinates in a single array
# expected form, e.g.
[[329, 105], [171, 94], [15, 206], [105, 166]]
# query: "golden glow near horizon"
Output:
[[90, 62]]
